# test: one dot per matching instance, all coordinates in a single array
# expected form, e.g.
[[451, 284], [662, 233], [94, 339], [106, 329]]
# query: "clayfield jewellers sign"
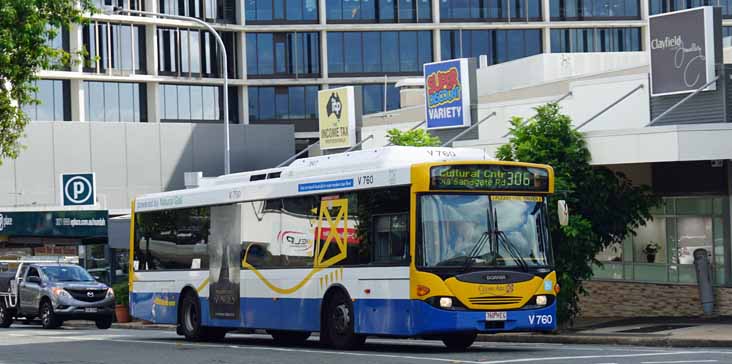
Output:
[[684, 47]]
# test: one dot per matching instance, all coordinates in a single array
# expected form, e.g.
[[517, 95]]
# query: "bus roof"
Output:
[[388, 165]]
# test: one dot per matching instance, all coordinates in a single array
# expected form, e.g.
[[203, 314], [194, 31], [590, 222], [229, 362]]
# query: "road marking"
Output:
[[589, 357], [679, 361]]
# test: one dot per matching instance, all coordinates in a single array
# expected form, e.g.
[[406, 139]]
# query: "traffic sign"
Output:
[[78, 189]]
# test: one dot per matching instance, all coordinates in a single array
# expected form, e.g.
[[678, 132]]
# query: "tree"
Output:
[[25, 28], [414, 138], [605, 206]]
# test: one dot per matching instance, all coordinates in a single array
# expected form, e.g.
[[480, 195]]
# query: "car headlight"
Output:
[[60, 292], [541, 300], [445, 302], [110, 293]]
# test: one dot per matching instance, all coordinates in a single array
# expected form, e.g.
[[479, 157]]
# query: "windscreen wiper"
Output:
[[476, 250], [502, 238]]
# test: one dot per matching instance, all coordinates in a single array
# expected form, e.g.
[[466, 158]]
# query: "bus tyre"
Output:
[[459, 341], [338, 330], [190, 322], [48, 317], [289, 338], [6, 316]]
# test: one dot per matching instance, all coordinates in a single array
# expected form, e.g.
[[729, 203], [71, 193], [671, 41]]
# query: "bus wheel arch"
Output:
[[337, 320], [190, 319]]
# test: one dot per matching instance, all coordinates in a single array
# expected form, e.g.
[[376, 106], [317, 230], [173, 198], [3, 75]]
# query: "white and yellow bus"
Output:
[[404, 242]]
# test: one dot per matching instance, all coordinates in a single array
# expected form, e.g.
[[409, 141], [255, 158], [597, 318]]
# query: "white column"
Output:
[[324, 54], [153, 102], [545, 31], [76, 94], [241, 67], [151, 49], [436, 11], [243, 105], [151, 6], [321, 12], [644, 13], [436, 45]]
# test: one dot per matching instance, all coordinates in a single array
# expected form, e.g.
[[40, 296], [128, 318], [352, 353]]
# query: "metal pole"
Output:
[[568, 94], [359, 143], [685, 99], [449, 142], [289, 160], [610, 106], [410, 129], [227, 144]]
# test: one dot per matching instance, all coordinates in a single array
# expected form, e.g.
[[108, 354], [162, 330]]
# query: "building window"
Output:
[[219, 11], [283, 55], [663, 249], [281, 11], [498, 45], [193, 103], [373, 96], [726, 37], [114, 47], [53, 98], [124, 4], [379, 11], [285, 104], [594, 9], [115, 101], [378, 53], [490, 10], [194, 53], [665, 6], [574, 40]]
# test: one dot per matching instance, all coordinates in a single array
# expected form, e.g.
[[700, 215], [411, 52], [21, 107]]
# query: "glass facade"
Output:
[[378, 11], [373, 97], [54, 103], [283, 55], [115, 101], [499, 45], [665, 6], [281, 11], [594, 9], [193, 53], [114, 47], [125, 4], [283, 103], [195, 103], [662, 251], [490, 10], [574, 40], [219, 11], [378, 53]]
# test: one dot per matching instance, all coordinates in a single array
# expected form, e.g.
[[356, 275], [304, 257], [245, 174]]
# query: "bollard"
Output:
[[704, 280]]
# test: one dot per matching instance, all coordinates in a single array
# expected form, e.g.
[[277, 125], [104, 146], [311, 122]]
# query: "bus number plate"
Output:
[[495, 316]]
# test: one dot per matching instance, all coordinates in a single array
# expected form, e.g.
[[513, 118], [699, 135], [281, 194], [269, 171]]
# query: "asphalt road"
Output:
[[30, 344]]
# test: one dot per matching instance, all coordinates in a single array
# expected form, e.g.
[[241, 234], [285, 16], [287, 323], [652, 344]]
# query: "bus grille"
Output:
[[495, 300]]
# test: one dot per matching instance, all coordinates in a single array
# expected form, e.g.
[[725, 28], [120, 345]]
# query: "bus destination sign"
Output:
[[489, 177]]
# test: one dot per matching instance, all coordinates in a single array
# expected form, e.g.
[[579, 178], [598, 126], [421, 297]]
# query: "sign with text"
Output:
[[447, 94], [683, 50], [489, 178], [54, 223], [337, 118], [78, 189]]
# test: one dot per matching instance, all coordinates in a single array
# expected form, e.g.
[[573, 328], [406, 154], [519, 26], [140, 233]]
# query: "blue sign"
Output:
[[326, 185], [78, 189], [447, 94]]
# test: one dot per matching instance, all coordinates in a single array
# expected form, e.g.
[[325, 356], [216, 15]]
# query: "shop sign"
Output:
[[683, 50], [337, 118], [54, 223], [447, 94]]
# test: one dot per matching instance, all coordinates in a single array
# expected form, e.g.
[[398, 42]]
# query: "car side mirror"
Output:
[[36, 280], [563, 212]]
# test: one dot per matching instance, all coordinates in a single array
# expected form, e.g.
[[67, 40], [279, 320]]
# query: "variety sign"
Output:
[[78, 189], [337, 118], [683, 50], [447, 94]]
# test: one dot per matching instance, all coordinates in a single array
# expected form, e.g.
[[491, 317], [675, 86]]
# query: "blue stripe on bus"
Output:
[[373, 316]]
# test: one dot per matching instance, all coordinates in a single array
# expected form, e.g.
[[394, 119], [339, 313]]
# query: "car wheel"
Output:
[[289, 338], [339, 324], [6, 316], [104, 323], [48, 317], [459, 341]]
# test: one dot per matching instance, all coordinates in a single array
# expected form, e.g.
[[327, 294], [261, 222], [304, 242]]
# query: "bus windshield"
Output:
[[482, 231]]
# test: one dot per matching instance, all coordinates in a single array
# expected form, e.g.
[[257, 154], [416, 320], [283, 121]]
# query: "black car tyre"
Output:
[[6, 316], [460, 341], [48, 317], [338, 330], [104, 323]]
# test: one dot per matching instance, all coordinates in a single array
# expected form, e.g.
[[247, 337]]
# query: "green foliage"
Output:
[[605, 207], [413, 138], [122, 293], [25, 27]]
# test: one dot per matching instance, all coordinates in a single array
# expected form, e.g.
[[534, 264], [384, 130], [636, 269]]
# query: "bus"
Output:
[[438, 243]]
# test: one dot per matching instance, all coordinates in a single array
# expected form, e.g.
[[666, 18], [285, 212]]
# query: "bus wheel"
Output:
[[289, 338], [338, 330], [6, 316], [459, 341], [190, 322]]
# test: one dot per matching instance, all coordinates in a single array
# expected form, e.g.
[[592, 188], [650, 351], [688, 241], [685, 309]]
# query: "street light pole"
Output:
[[220, 42]]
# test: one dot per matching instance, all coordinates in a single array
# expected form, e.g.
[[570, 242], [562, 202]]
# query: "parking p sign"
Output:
[[78, 189]]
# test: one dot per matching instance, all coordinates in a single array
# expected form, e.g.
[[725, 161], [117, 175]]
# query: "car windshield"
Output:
[[479, 231], [67, 274]]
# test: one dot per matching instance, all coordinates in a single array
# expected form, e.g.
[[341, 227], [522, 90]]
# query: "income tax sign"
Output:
[[447, 94]]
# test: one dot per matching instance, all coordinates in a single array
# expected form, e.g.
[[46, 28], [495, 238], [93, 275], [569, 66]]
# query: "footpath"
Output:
[[660, 331]]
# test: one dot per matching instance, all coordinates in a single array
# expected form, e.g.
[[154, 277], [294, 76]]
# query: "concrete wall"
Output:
[[133, 158]]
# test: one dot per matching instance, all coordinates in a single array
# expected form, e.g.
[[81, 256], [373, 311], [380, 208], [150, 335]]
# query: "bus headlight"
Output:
[[541, 300], [445, 302]]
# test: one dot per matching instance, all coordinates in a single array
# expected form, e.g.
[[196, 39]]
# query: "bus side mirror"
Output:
[[563, 212]]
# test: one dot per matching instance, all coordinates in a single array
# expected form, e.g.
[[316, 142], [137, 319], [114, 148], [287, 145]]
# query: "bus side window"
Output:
[[391, 238]]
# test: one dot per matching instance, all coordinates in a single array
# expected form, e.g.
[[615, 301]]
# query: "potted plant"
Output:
[[122, 298], [651, 250]]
